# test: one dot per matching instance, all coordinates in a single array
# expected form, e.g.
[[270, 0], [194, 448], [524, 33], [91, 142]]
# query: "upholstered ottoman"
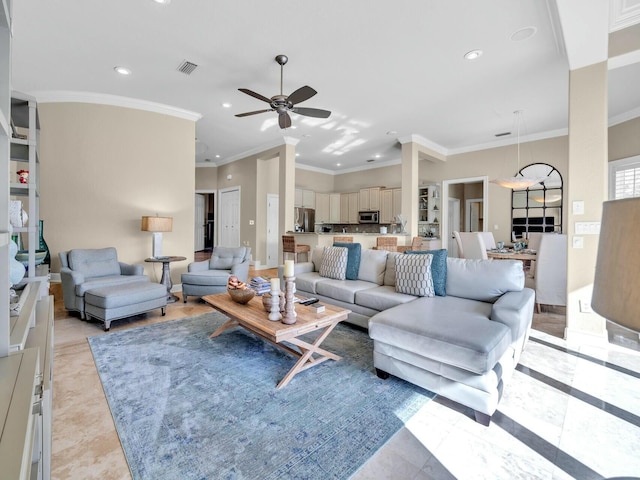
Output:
[[121, 301]]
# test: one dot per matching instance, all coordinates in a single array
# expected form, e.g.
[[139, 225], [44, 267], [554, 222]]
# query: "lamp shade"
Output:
[[617, 278], [157, 224]]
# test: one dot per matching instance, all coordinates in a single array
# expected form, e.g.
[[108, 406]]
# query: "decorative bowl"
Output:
[[241, 296], [23, 256]]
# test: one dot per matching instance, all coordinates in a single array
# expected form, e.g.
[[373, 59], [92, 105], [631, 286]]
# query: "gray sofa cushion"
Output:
[[455, 331], [382, 298], [307, 282], [390, 269], [99, 262], [483, 280], [115, 296], [343, 290], [225, 258], [98, 282], [372, 265], [316, 257], [207, 277]]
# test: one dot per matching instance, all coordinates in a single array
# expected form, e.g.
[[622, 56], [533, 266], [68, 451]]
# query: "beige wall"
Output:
[[624, 140], [268, 172], [318, 182], [388, 177], [207, 178], [103, 168]]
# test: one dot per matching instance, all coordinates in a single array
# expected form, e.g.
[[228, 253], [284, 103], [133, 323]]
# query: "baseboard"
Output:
[[55, 277]]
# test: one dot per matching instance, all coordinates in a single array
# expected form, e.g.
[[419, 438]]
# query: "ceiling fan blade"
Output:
[[255, 95], [301, 94], [311, 112], [246, 114], [284, 120]]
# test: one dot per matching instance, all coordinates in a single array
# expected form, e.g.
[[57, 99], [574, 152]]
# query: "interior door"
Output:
[[273, 202], [229, 217], [199, 222], [453, 225]]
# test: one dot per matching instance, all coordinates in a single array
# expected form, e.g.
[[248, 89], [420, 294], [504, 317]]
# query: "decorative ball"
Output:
[[241, 296]]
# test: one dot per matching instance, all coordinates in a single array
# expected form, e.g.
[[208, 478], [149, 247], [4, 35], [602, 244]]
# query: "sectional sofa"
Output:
[[462, 343]]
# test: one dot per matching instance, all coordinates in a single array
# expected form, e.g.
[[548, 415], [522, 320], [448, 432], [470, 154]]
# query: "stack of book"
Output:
[[260, 285]]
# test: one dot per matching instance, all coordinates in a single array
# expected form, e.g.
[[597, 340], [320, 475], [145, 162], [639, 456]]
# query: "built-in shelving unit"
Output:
[[429, 210]]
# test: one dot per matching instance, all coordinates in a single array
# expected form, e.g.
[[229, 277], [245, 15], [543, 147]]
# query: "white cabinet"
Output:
[[370, 198], [344, 208], [334, 208], [386, 206], [305, 198], [397, 203], [323, 208], [353, 208]]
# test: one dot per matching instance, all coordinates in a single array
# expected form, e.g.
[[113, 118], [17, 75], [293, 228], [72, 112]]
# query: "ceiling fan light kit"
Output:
[[283, 104]]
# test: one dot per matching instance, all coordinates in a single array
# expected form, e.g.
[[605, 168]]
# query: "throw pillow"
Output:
[[334, 263], [353, 258], [413, 275], [438, 269]]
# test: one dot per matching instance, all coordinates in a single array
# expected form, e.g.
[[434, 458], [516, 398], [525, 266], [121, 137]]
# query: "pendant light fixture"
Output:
[[518, 182]]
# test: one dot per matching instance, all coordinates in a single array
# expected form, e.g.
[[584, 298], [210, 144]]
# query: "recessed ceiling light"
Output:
[[293, 127], [122, 70], [523, 34], [226, 105], [338, 164], [217, 156], [163, 2], [306, 135], [297, 154], [473, 54], [377, 155]]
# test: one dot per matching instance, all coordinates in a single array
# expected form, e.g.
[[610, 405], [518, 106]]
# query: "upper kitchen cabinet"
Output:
[[305, 198], [369, 198]]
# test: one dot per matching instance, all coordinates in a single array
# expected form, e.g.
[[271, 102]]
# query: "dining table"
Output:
[[506, 254]]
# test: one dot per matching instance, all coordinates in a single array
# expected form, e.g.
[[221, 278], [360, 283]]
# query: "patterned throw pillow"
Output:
[[413, 275], [334, 263], [438, 269]]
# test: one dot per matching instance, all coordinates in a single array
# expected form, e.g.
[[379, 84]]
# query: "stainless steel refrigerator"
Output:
[[304, 219]]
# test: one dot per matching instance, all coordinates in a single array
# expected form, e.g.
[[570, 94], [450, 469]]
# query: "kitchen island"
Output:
[[367, 240]]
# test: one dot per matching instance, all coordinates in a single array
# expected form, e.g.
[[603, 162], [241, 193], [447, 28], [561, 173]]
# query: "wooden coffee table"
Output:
[[254, 318]]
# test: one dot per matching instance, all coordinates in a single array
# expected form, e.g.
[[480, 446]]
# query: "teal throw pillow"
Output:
[[438, 269], [354, 251]]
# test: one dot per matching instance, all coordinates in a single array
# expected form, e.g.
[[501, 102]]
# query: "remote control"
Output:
[[309, 301]]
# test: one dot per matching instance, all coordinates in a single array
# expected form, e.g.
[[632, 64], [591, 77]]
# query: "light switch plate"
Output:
[[578, 207], [578, 242]]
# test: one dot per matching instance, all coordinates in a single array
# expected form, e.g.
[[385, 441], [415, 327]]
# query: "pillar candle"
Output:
[[275, 284], [288, 268]]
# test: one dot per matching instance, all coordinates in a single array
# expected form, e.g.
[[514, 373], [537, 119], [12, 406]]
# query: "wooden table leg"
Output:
[[307, 360], [231, 323]]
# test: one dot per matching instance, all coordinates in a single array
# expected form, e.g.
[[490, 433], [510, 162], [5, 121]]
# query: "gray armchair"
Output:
[[84, 269], [210, 276]]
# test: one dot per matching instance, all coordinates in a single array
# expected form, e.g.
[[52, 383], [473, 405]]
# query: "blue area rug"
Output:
[[189, 407]]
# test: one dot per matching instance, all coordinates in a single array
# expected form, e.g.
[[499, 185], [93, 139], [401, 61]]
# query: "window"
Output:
[[624, 178]]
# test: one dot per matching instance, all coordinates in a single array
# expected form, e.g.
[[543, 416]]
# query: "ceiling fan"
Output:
[[283, 104]]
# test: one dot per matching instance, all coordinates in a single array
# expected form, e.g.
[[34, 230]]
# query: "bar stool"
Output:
[[343, 239], [387, 243], [289, 246]]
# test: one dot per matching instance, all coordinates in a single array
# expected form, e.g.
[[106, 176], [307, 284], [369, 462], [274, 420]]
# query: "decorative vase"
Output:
[[42, 245]]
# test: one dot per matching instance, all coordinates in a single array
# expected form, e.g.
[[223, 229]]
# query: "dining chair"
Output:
[[533, 244], [416, 244], [489, 240], [289, 245], [343, 239], [473, 246], [550, 280], [387, 243]]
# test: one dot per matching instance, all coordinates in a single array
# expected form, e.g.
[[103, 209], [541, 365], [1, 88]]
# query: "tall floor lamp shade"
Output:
[[157, 225], [617, 279]]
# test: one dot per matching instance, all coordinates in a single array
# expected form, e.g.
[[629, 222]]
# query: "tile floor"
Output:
[[566, 413]]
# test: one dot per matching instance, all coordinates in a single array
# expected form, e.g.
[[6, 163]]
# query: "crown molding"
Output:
[[624, 117], [257, 150], [371, 166], [511, 141], [425, 142], [66, 96], [623, 14], [624, 60], [310, 168]]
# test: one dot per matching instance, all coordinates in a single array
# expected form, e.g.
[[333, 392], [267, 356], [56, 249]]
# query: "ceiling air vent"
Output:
[[503, 134], [187, 67]]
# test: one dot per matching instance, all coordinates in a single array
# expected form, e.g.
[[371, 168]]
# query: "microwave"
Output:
[[369, 217]]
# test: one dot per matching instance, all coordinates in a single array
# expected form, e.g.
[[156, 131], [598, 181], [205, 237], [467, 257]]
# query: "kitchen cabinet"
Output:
[[305, 198], [390, 204], [369, 198], [323, 208], [354, 208], [344, 208], [334, 208]]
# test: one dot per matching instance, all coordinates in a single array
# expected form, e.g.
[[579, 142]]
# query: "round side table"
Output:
[[166, 273]]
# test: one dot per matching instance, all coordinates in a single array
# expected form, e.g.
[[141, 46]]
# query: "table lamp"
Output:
[[617, 277], [157, 225]]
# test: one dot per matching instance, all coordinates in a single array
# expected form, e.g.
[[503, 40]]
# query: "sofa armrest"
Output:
[[69, 280], [201, 266], [241, 270], [298, 268], [515, 310], [128, 269]]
